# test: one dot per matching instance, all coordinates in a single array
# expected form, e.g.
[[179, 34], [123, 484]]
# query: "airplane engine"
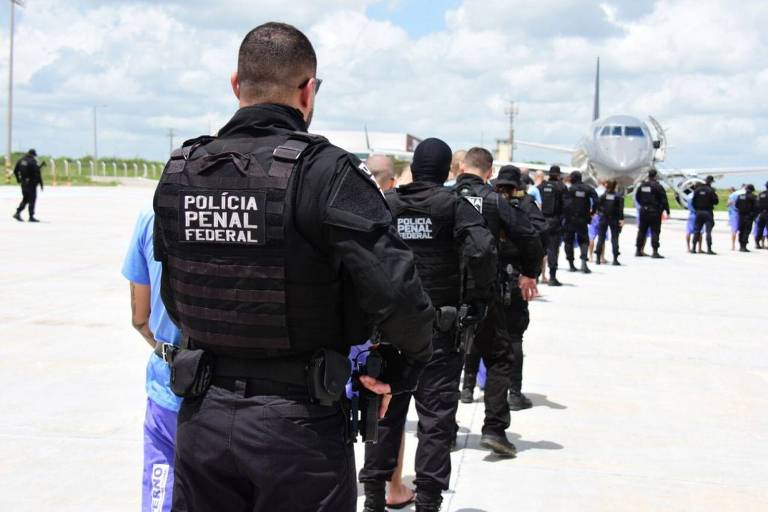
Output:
[[684, 190]]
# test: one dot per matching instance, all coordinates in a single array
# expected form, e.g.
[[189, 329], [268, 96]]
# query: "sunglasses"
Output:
[[318, 83]]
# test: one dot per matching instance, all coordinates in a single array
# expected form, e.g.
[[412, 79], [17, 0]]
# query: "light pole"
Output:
[[96, 133], [9, 120]]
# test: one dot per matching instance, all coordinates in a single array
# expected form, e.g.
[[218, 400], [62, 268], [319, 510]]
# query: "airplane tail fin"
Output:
[[596, 105]]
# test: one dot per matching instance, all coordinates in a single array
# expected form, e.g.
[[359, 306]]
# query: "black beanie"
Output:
[[431, 161]]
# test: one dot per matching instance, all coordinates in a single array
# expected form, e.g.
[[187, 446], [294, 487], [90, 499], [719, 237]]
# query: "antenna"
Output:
[[171, 134], [596, 106], [511, 111]]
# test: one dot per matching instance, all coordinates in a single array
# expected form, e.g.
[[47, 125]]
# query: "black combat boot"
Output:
[[18, 217], [597, 260], [639, 253], [32, 219], [553, 279], [498, 444], [584, 267], [744, 249], [709, 250], [428, 500], [468, 388], [518, 401], [656, 255], [572, 267], [375, 500]]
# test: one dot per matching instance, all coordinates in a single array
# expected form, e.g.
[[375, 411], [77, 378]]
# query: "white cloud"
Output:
[[699, 67]]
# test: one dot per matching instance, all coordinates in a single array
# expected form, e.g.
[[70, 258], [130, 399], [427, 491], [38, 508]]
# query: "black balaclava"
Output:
[[431, 161], [575, 177]]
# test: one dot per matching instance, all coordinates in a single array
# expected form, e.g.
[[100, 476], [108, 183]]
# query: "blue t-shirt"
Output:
[[535, 193], [140, 267]]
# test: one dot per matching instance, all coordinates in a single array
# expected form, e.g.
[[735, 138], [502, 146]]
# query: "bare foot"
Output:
[[397, 494]]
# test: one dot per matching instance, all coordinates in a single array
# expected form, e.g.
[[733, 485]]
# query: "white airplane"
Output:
[[624, 148]]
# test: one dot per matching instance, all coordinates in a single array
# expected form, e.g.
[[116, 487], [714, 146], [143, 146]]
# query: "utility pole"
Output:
[[171, 134], [9, 120], [95, 136], [511, 111]]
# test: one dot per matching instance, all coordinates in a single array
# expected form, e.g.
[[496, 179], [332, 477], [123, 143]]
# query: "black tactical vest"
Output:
[[645, 196], [238, 278], [743, 204], [702, 198], [611, 205], [551, 205], [486, 201], [762, 201], [579, 204], [426, 225]]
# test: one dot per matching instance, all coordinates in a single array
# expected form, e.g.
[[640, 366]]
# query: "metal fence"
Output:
[[65, 168]]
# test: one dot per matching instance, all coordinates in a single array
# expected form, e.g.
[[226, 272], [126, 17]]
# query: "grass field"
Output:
[[721, 207]]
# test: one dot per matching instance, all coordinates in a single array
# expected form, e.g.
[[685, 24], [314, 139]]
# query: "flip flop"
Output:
[[401, 505]]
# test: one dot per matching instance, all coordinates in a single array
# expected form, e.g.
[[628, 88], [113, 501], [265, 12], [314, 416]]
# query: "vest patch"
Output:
[[580, 193], [415, 228], [477, 202], [223, 217], [645, 189], [610, 197]]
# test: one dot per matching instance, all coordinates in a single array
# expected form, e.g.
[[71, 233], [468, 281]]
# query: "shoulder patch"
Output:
[[475, 201]]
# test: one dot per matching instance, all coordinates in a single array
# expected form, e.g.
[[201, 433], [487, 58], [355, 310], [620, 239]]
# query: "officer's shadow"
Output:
[[472, 442], [542, 401]]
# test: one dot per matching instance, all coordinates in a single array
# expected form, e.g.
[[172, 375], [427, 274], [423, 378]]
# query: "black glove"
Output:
[[477, 312], [402, 374]]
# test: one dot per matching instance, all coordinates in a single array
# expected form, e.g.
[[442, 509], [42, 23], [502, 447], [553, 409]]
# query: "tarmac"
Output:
[[648, 380]]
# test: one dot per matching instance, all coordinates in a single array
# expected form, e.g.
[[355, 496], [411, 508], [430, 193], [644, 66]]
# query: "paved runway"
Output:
[[649, 381]]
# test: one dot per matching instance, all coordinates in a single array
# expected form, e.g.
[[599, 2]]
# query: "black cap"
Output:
[[431, 161], [576, 177], [750, 188], [554, 170], [709, 179], [509, 176], [32, 152]]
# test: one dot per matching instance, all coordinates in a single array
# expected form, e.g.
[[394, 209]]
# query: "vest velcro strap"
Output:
[[227, 270], [286, 155], [232, 294], [233, 340]]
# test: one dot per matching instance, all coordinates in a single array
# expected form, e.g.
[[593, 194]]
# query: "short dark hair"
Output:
[[479, 158], [273, 59]]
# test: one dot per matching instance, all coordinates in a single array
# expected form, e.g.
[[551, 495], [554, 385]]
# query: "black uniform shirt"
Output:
[[340, 210], [611, 205], [705, 198], [652, 196], [582, 201], [553, 195], [27, 171], [512, 223]]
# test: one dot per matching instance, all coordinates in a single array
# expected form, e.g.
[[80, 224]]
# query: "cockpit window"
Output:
[[633, 131], [616, 131], [606, 131]]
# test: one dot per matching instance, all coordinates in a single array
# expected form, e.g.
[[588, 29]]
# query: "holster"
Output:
[[191, 372], [327, 374]]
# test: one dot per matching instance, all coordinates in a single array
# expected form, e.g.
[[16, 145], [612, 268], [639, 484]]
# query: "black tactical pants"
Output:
[[493, 344], [437, 398], [236, 452], [705, 219], [517, 318], [576, 230], [28, 198], [649, 219], [602, 230], [554, 239], [762, 222], [745, 229]]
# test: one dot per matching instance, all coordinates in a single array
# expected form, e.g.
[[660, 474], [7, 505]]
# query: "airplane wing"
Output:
[[716, 172], [551, 147], [543, 167]]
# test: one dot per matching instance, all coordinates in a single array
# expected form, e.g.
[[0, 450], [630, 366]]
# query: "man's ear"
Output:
[[307, 97], [235, 84]]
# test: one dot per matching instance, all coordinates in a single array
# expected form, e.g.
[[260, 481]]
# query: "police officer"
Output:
[[553, 193], [704, 201], [610, 206], [493, 341], [277, 248], [581, 204], [762, 217], [747, 205], [27, 173], [446, 233], [652, 200], [511, 260]]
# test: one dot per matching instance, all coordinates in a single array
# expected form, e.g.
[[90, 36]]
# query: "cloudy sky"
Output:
[[429, 68]]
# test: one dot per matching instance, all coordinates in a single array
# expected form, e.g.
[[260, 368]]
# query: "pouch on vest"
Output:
[[327, 375], [191, 373]]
